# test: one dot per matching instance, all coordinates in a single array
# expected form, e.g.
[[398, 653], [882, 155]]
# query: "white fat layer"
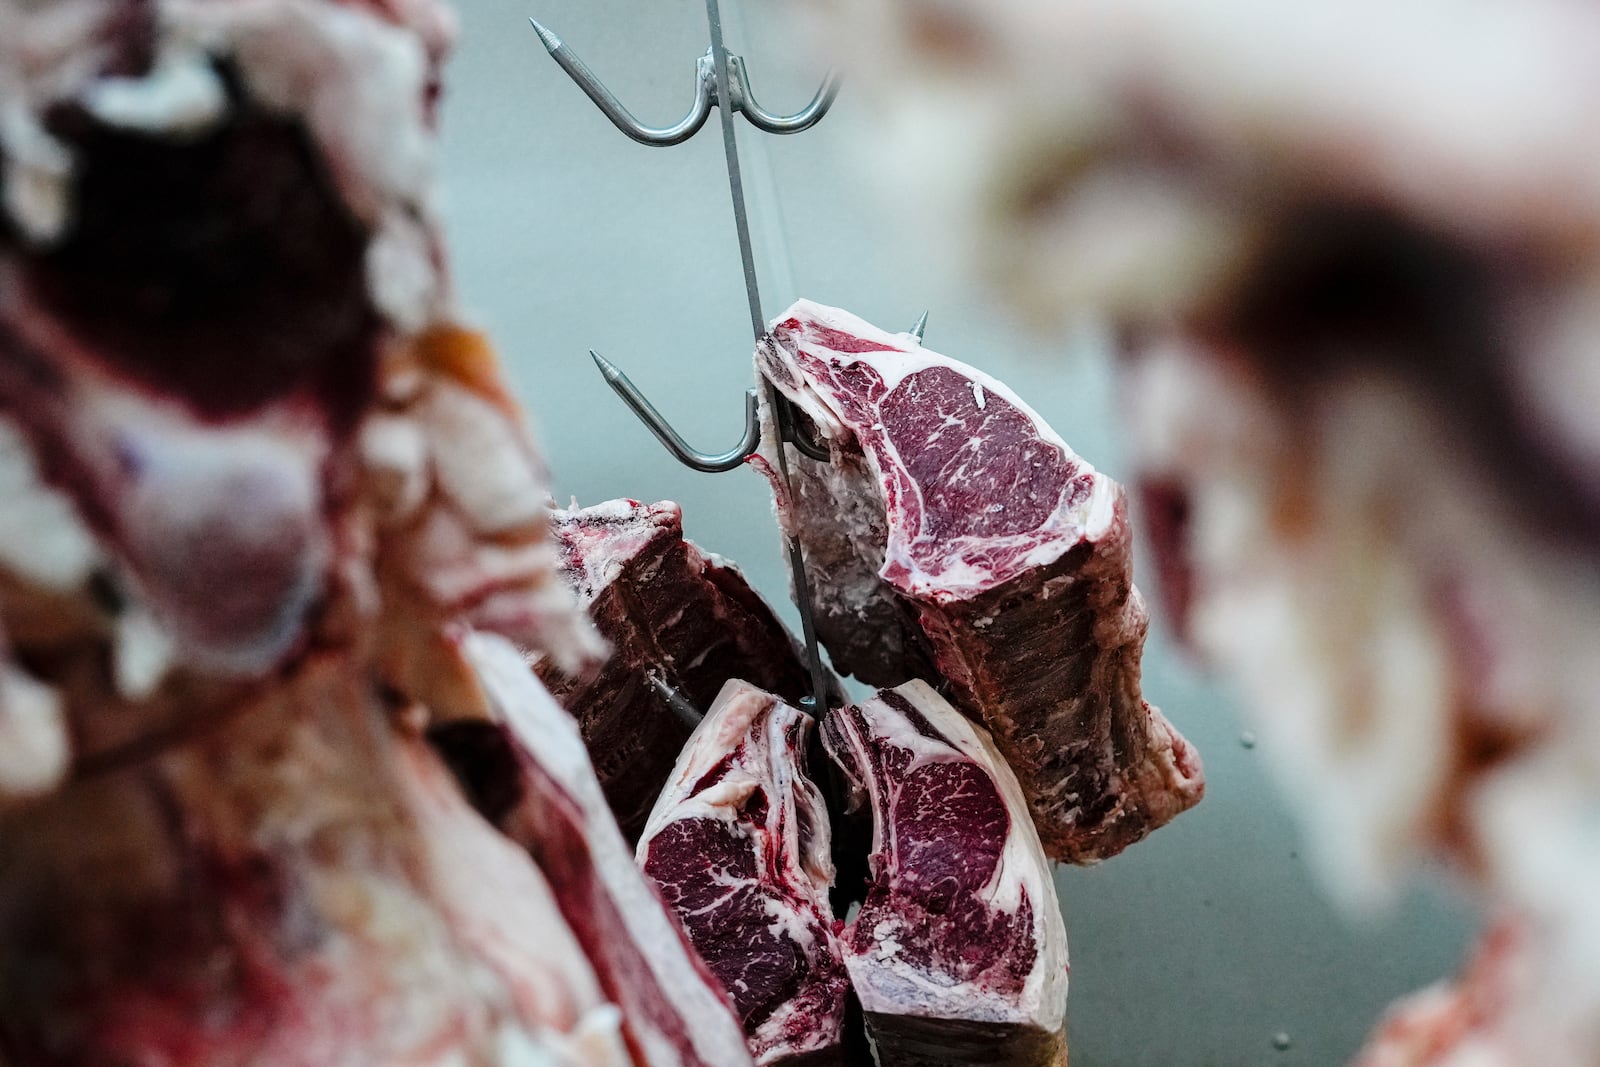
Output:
[[1393, 616], [34, 746], [37, 180], [181, 96], [142, 652], [496, 901], [754, 724], [1085, 520], [551, 735], [881, 979], [605, 537], [42, 539], [596, 1041], [268, 471], [481, 460], [725, 726]]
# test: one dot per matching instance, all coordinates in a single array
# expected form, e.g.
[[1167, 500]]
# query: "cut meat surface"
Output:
[[954, 537], [959, 953], [674, 1011], [738, 845], [667, 608]]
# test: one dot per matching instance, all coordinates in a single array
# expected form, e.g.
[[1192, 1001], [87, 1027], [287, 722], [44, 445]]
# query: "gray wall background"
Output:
[[1199, 945]]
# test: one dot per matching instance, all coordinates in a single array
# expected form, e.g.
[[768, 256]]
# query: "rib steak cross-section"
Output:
[[953, 536], [959, 953], [739, 846]]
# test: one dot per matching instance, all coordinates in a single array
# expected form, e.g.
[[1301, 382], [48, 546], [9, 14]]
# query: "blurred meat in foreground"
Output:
[[260, 486], [1351, 251]]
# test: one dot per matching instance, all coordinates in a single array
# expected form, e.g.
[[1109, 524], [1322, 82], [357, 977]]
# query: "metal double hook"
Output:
[[707, 95], [721, 81], [713, 462]]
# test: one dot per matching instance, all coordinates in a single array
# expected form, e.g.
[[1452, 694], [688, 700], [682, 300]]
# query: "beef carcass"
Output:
[[258, 478], [953, 536], [668, 609], [543, 794], [959, 953], [738, 845]]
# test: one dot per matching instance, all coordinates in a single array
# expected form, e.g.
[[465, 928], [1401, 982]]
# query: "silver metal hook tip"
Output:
[[675, 700], [920, 328], [550, 41], [607, 368]]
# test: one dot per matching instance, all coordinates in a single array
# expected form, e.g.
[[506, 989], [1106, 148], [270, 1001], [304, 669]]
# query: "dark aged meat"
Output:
[[667, 608], [959, 954], [954, 537], [258, 479], [545, 797], [738, 845]]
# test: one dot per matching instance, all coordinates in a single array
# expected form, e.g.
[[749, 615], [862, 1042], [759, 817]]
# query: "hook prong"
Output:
[[743, 99], [611, 107], [920, 328], [675, 700], [657, 423], [789, 429]]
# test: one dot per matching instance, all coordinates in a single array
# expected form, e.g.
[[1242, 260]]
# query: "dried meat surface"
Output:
[[668, 609], [953, 536]]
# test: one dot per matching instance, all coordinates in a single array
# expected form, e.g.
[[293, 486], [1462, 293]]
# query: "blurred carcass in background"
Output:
[[1352, 255]]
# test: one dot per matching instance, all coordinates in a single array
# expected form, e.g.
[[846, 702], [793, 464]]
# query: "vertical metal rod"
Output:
[[758, 326], [730, 149]]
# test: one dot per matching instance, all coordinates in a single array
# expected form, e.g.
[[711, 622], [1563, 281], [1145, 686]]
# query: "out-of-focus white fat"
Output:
[[34, 747], [1373, 618], [42, 538], [356, 79], [1093, 154]]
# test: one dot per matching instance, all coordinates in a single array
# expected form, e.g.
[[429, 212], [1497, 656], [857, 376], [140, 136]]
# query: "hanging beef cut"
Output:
[[959, 953], [953, 536], [533, 778], [739, 846], [668, 609]]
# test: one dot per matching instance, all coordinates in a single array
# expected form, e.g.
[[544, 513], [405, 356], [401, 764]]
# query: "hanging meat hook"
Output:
[[707, 95], [722, 81]]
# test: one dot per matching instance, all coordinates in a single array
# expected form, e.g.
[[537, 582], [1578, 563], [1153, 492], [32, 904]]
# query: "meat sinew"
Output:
[[953, 536], [674, 1011], [668, 609], [959, 953], [738, 845]]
